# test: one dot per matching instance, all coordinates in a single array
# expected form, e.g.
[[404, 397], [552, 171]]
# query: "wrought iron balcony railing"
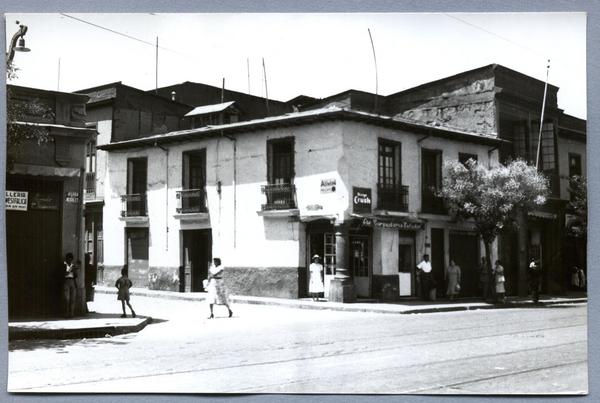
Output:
[[134, 205], [279, 197], [191, 201], [392, 197], [90, 186], [431, 203]]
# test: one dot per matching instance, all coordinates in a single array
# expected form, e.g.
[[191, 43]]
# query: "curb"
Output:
[[297, 304], [17, 333]]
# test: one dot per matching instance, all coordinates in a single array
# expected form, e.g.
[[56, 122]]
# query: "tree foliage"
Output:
[[492, 196]]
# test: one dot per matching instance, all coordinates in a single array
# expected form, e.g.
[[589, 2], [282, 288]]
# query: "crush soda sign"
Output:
[[361, 200]]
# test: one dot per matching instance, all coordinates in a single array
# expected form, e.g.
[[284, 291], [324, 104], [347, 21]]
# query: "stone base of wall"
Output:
[[155, 278], [386, 287], [279, 282]]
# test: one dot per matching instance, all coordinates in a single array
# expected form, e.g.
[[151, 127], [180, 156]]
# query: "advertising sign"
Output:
[[361, 200], [16, 200], [327, 185]]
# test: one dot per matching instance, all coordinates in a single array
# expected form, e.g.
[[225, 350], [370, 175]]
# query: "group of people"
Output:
[[491, 281]]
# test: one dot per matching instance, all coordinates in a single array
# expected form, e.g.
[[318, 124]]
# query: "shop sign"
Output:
[[72, 197], [361, 200], [44, 201], [16, 200], [378, 223], [328, 185], [314, 207]]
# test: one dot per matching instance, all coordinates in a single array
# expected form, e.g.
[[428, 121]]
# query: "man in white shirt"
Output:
[[425, 267]]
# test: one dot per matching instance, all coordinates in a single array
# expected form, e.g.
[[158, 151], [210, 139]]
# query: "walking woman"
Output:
[[217, 293], [453, 277], [315, 285], [499, 280]]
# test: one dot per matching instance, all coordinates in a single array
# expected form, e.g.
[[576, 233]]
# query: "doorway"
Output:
[[360, 264], [137, 255], [464, 250], [323, 244], [437, 259], [196, 255]]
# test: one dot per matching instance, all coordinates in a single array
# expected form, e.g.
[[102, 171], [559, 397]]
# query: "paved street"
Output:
[[275, 349]]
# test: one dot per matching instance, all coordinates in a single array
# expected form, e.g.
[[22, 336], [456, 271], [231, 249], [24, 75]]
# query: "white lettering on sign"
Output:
[[16, 200], [328, 185], [362, 198]]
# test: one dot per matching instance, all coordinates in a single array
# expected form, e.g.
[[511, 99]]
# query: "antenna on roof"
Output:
[[223, 91], [156, 68], [539, 145], [376, 78], [266, 88], [58, 77], [248, 68]]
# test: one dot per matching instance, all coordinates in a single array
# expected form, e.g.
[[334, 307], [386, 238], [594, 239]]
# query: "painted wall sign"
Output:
[[72, 197], [16, 200], [328, 185], [44, 201], [361, 200], [314, 207], [407, 225]]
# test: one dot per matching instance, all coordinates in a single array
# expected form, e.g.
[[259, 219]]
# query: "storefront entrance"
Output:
[[323, 244], [137, 255], [196, 254], [464, 250], [360, 264]]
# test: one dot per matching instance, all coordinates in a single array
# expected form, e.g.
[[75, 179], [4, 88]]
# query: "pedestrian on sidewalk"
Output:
[[123, 284], [535, 276], [217, 292], [499, 281], [315, 285], [426, 281], [453, 278], [69, 272]]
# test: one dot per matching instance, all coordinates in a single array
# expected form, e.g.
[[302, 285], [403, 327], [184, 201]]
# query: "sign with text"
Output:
[[327, 185], [361, 200], [16, 200], [72, 197], [393, 224]]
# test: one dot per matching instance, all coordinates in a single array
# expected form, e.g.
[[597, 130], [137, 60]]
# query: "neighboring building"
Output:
[[267, 194], [499, 102], [118, 112], [44, 198]]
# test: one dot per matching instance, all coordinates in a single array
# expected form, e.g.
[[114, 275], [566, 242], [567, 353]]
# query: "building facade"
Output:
[[267, 194], [44, 194]]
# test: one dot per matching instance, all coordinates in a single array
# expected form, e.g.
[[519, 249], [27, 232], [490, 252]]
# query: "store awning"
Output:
[[41, 170], [393, 222]]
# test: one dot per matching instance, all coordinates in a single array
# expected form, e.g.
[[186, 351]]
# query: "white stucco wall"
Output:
[[566, 146]]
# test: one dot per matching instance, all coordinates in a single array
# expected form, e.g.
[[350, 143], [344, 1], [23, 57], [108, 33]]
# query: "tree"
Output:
[[578, 203], [492, 197]]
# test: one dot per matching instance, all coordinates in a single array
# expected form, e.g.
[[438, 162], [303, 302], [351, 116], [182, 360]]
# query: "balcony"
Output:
[[431, 203], [134, 205], [279, 197], [392, 197], [90, 186], [191, 201]]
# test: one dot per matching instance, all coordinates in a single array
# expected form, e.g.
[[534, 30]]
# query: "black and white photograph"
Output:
[[296, 203]]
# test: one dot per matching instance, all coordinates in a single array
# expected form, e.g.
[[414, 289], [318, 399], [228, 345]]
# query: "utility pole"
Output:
[[539, 145]]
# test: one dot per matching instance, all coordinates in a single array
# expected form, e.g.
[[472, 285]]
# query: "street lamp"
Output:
[[18, 37]]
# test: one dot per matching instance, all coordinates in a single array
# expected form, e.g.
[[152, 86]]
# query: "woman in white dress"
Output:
[[217, 293], [315, 285]]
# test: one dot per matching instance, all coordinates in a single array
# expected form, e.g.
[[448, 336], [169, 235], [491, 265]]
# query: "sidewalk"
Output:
[[100, 325]]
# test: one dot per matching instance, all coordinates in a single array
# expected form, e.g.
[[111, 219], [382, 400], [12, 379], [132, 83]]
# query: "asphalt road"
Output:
[[265, 349]]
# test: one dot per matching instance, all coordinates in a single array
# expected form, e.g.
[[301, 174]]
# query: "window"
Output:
[[431, 181], [520, 140], [547, 160], [464, 157], [574, 164], [389, 172], [135, 199], [90, 157], [192, 197], [280, 156]]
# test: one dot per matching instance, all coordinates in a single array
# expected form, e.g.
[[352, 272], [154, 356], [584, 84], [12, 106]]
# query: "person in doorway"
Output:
[[535, 276], [70, 271], [315, 285], [90, 277], [425, 269], [453, 279], [217, 293], [577, 279], [123, 284], [499, 280], [484, 279]]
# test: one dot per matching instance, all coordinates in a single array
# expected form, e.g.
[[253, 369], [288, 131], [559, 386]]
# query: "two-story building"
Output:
[[44, 194], [265, 195]]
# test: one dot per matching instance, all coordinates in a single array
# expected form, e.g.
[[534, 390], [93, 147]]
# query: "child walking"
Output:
[[123, 284]]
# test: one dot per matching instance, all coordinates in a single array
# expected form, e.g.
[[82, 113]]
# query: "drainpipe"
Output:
[[234, 140], [166, 150]]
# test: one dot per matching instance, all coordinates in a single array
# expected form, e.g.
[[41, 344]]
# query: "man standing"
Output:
[[535, 277], [69, 285], [425, 267]]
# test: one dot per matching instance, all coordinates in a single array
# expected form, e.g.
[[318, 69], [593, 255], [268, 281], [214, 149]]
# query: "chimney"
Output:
[[173, 95]]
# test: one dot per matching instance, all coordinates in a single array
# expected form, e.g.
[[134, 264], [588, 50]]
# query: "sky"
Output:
[[310, 54]]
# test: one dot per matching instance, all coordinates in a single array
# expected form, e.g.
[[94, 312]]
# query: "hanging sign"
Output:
[[395, 224], [16, 200], [327, 185], [72, 197], [361, 200]]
